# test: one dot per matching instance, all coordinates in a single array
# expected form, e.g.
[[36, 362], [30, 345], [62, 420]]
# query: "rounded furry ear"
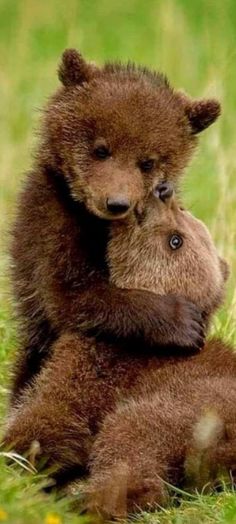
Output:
[[202, 113], [225, 269], [74, 69]]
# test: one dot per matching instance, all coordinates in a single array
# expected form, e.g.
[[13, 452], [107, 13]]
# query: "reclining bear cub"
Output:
[[67, 408]]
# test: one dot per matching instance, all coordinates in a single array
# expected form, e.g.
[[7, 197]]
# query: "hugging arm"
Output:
[[130, 315]]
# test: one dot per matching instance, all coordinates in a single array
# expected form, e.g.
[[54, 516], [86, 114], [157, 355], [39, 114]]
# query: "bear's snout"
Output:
[[118, 204]]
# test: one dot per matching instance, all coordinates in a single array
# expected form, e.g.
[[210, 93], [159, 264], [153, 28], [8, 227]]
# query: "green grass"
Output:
[[193, 42]]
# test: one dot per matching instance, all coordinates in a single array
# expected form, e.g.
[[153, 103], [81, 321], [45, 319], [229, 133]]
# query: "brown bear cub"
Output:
[[154, 402], [109, 136], [177, 425]]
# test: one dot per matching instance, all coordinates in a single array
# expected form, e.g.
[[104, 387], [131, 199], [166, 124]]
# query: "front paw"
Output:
[[120, 491], [178, 322], [186, 325]]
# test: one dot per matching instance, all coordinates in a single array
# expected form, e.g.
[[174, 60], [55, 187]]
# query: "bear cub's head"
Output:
[[168, 252], [117, 131]]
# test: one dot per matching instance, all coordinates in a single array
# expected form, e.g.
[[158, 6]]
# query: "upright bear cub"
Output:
[[109, 136]]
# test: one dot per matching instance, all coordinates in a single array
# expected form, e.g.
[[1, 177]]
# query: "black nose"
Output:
[[164, 190], [118, 205]]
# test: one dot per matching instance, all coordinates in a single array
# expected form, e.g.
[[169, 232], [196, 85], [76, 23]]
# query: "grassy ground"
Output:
[[194, 43]]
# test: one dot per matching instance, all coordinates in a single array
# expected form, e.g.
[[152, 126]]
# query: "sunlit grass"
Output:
[[194, 44]]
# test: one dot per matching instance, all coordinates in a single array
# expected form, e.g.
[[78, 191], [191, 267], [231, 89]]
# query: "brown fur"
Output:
[[140, 256], [156, 439], [60, 275], [85, 379]]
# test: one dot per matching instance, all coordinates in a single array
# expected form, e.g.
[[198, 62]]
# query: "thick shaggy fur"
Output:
[[143, 408], [180, 429], [99, 132]]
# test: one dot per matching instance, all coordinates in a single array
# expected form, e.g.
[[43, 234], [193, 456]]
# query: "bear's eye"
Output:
[[175, 241], [102, 152], [147, 165]]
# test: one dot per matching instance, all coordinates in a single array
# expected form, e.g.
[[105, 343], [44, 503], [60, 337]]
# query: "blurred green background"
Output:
[[194, 43]]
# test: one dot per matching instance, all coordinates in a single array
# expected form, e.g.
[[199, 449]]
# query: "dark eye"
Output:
[[147, 165], [175, 241], [101, 152]]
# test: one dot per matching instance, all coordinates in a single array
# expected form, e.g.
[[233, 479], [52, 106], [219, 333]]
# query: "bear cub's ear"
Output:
[[202, 113], [225, 269], [73, 69]]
